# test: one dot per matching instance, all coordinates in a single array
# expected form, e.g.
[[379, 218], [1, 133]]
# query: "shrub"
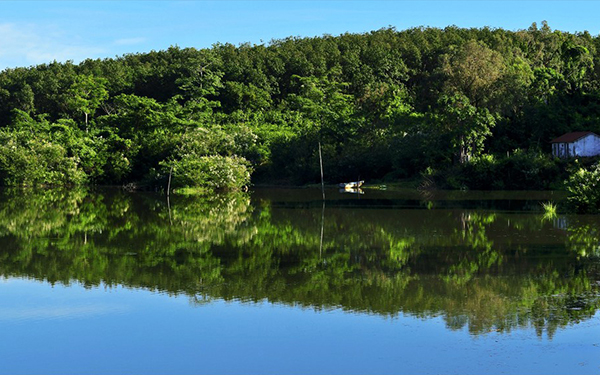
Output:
[[529, 170], [522, 170], [583, 186], [483, 172], [37, 162], [214, 172]]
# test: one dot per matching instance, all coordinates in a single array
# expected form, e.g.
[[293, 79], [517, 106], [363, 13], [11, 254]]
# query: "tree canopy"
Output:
[[385, 104]]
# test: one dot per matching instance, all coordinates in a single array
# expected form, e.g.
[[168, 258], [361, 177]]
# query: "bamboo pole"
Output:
[[169, 184], [322, 225], [321, 163], [168, 192]]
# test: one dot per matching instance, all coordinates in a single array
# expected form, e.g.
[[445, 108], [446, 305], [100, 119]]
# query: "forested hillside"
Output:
[[473, 108]]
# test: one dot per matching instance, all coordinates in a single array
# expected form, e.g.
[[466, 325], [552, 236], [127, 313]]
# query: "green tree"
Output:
[[473, 70], [87, 94], [467, 126]]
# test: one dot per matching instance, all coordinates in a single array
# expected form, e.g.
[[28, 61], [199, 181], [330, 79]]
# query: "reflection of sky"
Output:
[[72, 329], [23, 300], [55, 312]]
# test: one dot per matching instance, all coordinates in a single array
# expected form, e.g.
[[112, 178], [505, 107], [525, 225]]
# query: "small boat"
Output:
[[351, 185]]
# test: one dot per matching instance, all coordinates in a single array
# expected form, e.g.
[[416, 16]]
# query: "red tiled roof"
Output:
[[570, 137]]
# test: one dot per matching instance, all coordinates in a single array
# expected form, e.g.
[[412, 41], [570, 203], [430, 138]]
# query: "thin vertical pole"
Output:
[[321, 163], [322, 224], [168, 192], [169, 184], [169, 208]]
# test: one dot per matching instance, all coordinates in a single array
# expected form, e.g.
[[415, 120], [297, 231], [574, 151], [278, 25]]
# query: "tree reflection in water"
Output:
[[483, 270]]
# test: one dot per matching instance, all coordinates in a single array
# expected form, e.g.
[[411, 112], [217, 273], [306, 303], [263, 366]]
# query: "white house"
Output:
[[576, 144]]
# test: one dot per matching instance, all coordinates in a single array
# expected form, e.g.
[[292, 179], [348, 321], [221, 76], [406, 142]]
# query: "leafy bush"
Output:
[[212, 172], [37, 162], [530, 170], [484, 172], [522, 170], [583, 186]]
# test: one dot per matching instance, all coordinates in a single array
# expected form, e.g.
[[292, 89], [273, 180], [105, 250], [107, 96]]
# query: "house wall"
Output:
[[560, 150], [586, 146]]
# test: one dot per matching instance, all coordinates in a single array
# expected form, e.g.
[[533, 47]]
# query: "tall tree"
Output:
[[86, 94], [472, 70], [467, 125]]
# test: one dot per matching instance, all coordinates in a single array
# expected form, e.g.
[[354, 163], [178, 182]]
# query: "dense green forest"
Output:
[[460, 108]]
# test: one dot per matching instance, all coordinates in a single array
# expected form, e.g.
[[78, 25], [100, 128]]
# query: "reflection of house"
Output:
[[576, 144], [560, 223]]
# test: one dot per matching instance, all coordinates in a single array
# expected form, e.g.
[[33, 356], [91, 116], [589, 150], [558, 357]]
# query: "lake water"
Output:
[[275, 281]]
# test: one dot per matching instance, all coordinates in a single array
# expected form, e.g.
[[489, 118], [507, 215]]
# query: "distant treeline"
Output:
[[472, 108]]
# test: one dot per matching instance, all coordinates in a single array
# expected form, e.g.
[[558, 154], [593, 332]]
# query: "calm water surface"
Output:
[[275, 281]]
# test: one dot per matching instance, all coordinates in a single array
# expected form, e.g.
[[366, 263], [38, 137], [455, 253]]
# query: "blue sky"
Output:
[[34, 32]]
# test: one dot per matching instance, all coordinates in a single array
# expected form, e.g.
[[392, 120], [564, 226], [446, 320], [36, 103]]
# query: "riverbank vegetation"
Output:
[[464, 108]]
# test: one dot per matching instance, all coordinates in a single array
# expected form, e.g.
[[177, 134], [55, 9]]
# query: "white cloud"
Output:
[[129, 41], [27, 44]]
